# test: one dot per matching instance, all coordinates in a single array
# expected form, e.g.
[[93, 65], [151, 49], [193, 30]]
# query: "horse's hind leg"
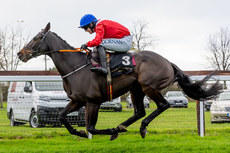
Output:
[[62, 115], [137, 96], [162, 105]]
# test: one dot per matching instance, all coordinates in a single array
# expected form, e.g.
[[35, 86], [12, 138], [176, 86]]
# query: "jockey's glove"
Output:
[[84, 46]]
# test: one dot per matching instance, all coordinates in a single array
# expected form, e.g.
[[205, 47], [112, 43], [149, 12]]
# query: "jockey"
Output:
[[110, 35]]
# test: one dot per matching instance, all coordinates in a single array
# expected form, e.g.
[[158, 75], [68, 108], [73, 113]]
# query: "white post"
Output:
[[202, 126], [200, 118]]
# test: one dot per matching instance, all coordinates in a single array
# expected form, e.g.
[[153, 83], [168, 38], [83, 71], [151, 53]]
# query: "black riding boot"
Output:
[[103, 68]]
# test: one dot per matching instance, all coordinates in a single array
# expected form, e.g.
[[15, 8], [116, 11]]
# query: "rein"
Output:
[[77, 50], [65, 76], [37, 48], [63, 51]]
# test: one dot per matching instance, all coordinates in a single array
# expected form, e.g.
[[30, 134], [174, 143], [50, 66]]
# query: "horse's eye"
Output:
[[35, 38]]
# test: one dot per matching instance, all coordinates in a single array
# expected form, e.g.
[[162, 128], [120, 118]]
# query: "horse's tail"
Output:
[[196, 90]]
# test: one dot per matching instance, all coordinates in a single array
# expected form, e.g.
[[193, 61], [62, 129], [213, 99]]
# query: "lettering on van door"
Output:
[[13, 87]]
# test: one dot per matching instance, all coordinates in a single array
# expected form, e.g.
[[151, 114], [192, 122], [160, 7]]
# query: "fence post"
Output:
[[200, 118]]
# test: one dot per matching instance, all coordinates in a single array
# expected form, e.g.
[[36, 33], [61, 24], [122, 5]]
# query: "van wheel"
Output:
[[12, 121], [34, 123]]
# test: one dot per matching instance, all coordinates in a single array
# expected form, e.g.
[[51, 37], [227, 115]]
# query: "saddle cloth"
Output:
[[120, 63]]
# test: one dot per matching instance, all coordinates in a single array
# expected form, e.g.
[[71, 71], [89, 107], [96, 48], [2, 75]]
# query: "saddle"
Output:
[[117, 63]]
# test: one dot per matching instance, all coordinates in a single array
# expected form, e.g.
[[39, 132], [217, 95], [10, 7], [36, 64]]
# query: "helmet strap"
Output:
[[92, 26]]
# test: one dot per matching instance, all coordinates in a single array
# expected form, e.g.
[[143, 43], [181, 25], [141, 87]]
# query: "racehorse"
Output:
[[151, 74]]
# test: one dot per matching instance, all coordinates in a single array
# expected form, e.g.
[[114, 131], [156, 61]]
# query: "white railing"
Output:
[[54, 76]]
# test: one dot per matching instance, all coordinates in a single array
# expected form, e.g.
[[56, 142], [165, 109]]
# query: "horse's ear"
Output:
[[47, 28]]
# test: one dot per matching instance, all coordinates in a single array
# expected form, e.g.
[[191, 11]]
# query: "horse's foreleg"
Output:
[[62, 115], [162, 105], [91, 118]]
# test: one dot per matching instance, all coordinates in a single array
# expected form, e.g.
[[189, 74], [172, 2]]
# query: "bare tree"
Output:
[[219, 48], [11, 41], [141, 36]]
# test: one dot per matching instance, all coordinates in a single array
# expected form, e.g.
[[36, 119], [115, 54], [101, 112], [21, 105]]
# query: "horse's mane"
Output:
[[71, 47]]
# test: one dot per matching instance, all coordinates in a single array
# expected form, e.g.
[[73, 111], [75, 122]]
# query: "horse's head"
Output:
[[36, 46]]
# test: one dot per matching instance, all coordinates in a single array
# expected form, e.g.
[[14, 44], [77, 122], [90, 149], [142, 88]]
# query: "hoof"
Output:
[[83, 134], [90, 136], [114, 136], [143, 133]]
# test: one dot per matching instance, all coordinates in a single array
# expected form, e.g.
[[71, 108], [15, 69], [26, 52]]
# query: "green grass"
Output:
[[125, 143], [173, 131]]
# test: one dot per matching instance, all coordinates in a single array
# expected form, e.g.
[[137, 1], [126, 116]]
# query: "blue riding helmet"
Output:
[[87, 19]]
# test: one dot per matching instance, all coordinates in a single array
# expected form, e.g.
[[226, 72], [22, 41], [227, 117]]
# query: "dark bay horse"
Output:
[[85, 88]]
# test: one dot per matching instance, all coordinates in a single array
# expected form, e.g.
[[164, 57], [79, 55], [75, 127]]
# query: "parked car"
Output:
[[207, 105], [39, 103], [115, 105], [176, 99], [220, 108], [130, 104]]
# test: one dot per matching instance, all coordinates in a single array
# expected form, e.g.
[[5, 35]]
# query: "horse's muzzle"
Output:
[[23, 56]]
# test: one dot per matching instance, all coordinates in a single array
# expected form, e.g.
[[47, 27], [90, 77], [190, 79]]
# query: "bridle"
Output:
[[36, 51]]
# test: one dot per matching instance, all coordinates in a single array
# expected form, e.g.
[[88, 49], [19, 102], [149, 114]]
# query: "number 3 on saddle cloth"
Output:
[[119, 63]]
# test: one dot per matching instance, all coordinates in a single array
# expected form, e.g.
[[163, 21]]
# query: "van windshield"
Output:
[[224, 96], [49, 86]]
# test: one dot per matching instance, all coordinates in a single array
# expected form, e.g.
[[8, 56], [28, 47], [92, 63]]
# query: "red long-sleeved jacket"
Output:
[[108, 29]]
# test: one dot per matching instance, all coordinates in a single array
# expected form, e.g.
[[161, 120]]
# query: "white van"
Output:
[[39, 103]]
